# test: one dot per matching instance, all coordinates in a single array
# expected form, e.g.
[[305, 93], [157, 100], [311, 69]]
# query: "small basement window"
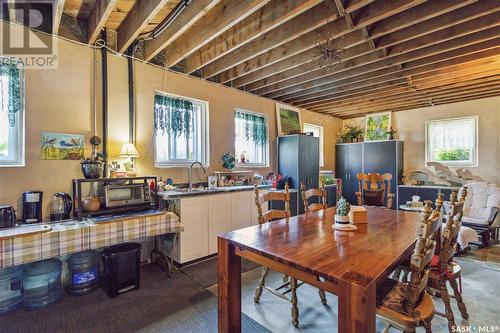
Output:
[[181, 131], [11, 116], [251, 144], [452, 142]]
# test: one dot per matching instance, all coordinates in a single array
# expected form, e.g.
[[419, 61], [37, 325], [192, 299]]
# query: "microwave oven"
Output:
[[127, 195]]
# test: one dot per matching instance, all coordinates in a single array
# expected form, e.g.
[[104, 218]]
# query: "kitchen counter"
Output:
[[180, 193]]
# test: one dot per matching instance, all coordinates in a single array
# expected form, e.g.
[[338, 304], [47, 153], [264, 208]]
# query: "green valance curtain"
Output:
[[12, 91], [173, 116], [254, 127]]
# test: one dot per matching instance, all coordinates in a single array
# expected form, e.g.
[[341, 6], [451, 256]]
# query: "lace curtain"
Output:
[[173, 116], [10, 91], [254, 127]]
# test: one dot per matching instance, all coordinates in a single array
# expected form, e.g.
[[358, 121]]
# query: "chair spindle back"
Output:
[[272, 214]]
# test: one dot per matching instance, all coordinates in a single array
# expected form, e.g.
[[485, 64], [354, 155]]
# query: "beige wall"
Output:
[[411, 127], [62, 101]]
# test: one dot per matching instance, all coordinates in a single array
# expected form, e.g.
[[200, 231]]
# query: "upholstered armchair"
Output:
[[374, 189], [481, 210]]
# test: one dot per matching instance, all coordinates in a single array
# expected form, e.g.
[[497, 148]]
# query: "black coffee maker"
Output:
[[60, 207], [32, 206]]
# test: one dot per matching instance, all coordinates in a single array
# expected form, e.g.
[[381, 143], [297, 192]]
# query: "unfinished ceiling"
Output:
[[396, 54]]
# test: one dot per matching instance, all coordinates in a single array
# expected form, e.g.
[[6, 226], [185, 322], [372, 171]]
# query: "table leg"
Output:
[[357, 304], [229, 287]]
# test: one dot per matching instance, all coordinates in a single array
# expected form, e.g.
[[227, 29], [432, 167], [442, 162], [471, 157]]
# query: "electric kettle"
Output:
[[60, 207], [7, 216]]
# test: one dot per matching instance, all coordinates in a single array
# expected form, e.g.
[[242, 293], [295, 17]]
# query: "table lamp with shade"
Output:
[[130, 152]]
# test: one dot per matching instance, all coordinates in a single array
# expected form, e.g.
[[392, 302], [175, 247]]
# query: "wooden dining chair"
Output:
[[407, 305], [313, 193], [444, 269], [289, 284], [374, 189]]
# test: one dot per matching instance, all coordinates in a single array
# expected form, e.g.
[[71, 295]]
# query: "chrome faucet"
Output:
[[190, 174]]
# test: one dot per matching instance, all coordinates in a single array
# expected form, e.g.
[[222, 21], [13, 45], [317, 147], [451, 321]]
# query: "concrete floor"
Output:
[[481, 293]]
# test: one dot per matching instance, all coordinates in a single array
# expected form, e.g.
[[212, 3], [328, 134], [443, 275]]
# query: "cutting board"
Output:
[[25, 230]]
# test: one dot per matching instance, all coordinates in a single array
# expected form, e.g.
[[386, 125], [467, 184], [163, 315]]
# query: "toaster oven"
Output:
[[127, 195]]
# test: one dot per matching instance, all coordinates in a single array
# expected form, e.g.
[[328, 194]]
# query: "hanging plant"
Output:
[[255, 127], [14, 102], [173, 116]]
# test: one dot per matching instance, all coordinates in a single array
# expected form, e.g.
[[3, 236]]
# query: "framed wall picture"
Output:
[[61, 146], [288, 119], [377, 125]]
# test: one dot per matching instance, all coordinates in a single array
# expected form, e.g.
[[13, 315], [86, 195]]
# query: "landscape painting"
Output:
[[288, 119], [60, 146], [377, 125]]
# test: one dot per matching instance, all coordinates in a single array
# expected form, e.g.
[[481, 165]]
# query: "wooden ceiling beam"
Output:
[[360, 95], [386, 90], [97, 18], [219, 19], [262, 21], [386, 75], [297, 51], [426, 104], [358, 50], [371, 13], [135, 22], [308, 21], [426, 11], [408, 104], [320, 77], [189, 16], [409, 94], [58, 10]]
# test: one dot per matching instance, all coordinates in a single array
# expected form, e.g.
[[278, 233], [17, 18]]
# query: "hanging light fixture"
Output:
[[329, 53]]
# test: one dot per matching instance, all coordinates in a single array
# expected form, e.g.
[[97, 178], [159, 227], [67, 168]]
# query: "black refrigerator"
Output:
[[298, 158]]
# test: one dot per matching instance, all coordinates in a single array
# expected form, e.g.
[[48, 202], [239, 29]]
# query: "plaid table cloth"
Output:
[[75, 236]]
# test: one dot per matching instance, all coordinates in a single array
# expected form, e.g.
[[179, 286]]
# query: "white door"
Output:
[[219, 218], [193, 241], [241, 210]]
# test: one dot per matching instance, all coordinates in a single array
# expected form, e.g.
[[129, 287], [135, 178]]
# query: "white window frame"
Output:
[[475, 153], [266, 145], [17, 136], [321, 136], [204, 139]]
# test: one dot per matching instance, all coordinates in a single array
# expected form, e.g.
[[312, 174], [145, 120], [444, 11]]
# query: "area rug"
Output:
[[488, 258], [170, 305], [205, 272]]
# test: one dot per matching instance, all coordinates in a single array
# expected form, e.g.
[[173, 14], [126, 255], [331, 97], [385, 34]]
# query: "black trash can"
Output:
[[122, 268], [84, 270]]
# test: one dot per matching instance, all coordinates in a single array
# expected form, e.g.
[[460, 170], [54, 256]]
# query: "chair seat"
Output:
[[475, 220], [425, 309]]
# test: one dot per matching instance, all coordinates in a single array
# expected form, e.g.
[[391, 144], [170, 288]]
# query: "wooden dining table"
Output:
[[349, 264]]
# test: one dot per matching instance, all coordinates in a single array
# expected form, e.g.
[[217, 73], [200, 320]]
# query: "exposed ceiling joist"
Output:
[[139, 17], [264, 20], [221, 18], [98, 17]]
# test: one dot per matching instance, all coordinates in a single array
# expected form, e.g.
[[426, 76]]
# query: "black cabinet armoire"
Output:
[[366, 157], [298, 158]]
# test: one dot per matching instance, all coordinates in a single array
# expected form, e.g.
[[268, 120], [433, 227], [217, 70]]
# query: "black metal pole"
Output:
[[131, 114], [104, 55]]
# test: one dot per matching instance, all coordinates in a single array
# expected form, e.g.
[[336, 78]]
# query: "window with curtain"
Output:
[[11, 116], [317, 132], [452, 141], [250, 143], [181, 131]]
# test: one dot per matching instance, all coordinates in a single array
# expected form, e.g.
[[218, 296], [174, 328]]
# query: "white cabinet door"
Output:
[[241, 209], [219, 218], [193, 241], [255, 214]]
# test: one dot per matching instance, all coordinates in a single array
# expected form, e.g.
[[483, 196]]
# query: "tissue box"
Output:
[[358, 215]]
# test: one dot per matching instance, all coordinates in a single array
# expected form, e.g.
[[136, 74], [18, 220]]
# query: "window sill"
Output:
[[176, 165], [249, 165]]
